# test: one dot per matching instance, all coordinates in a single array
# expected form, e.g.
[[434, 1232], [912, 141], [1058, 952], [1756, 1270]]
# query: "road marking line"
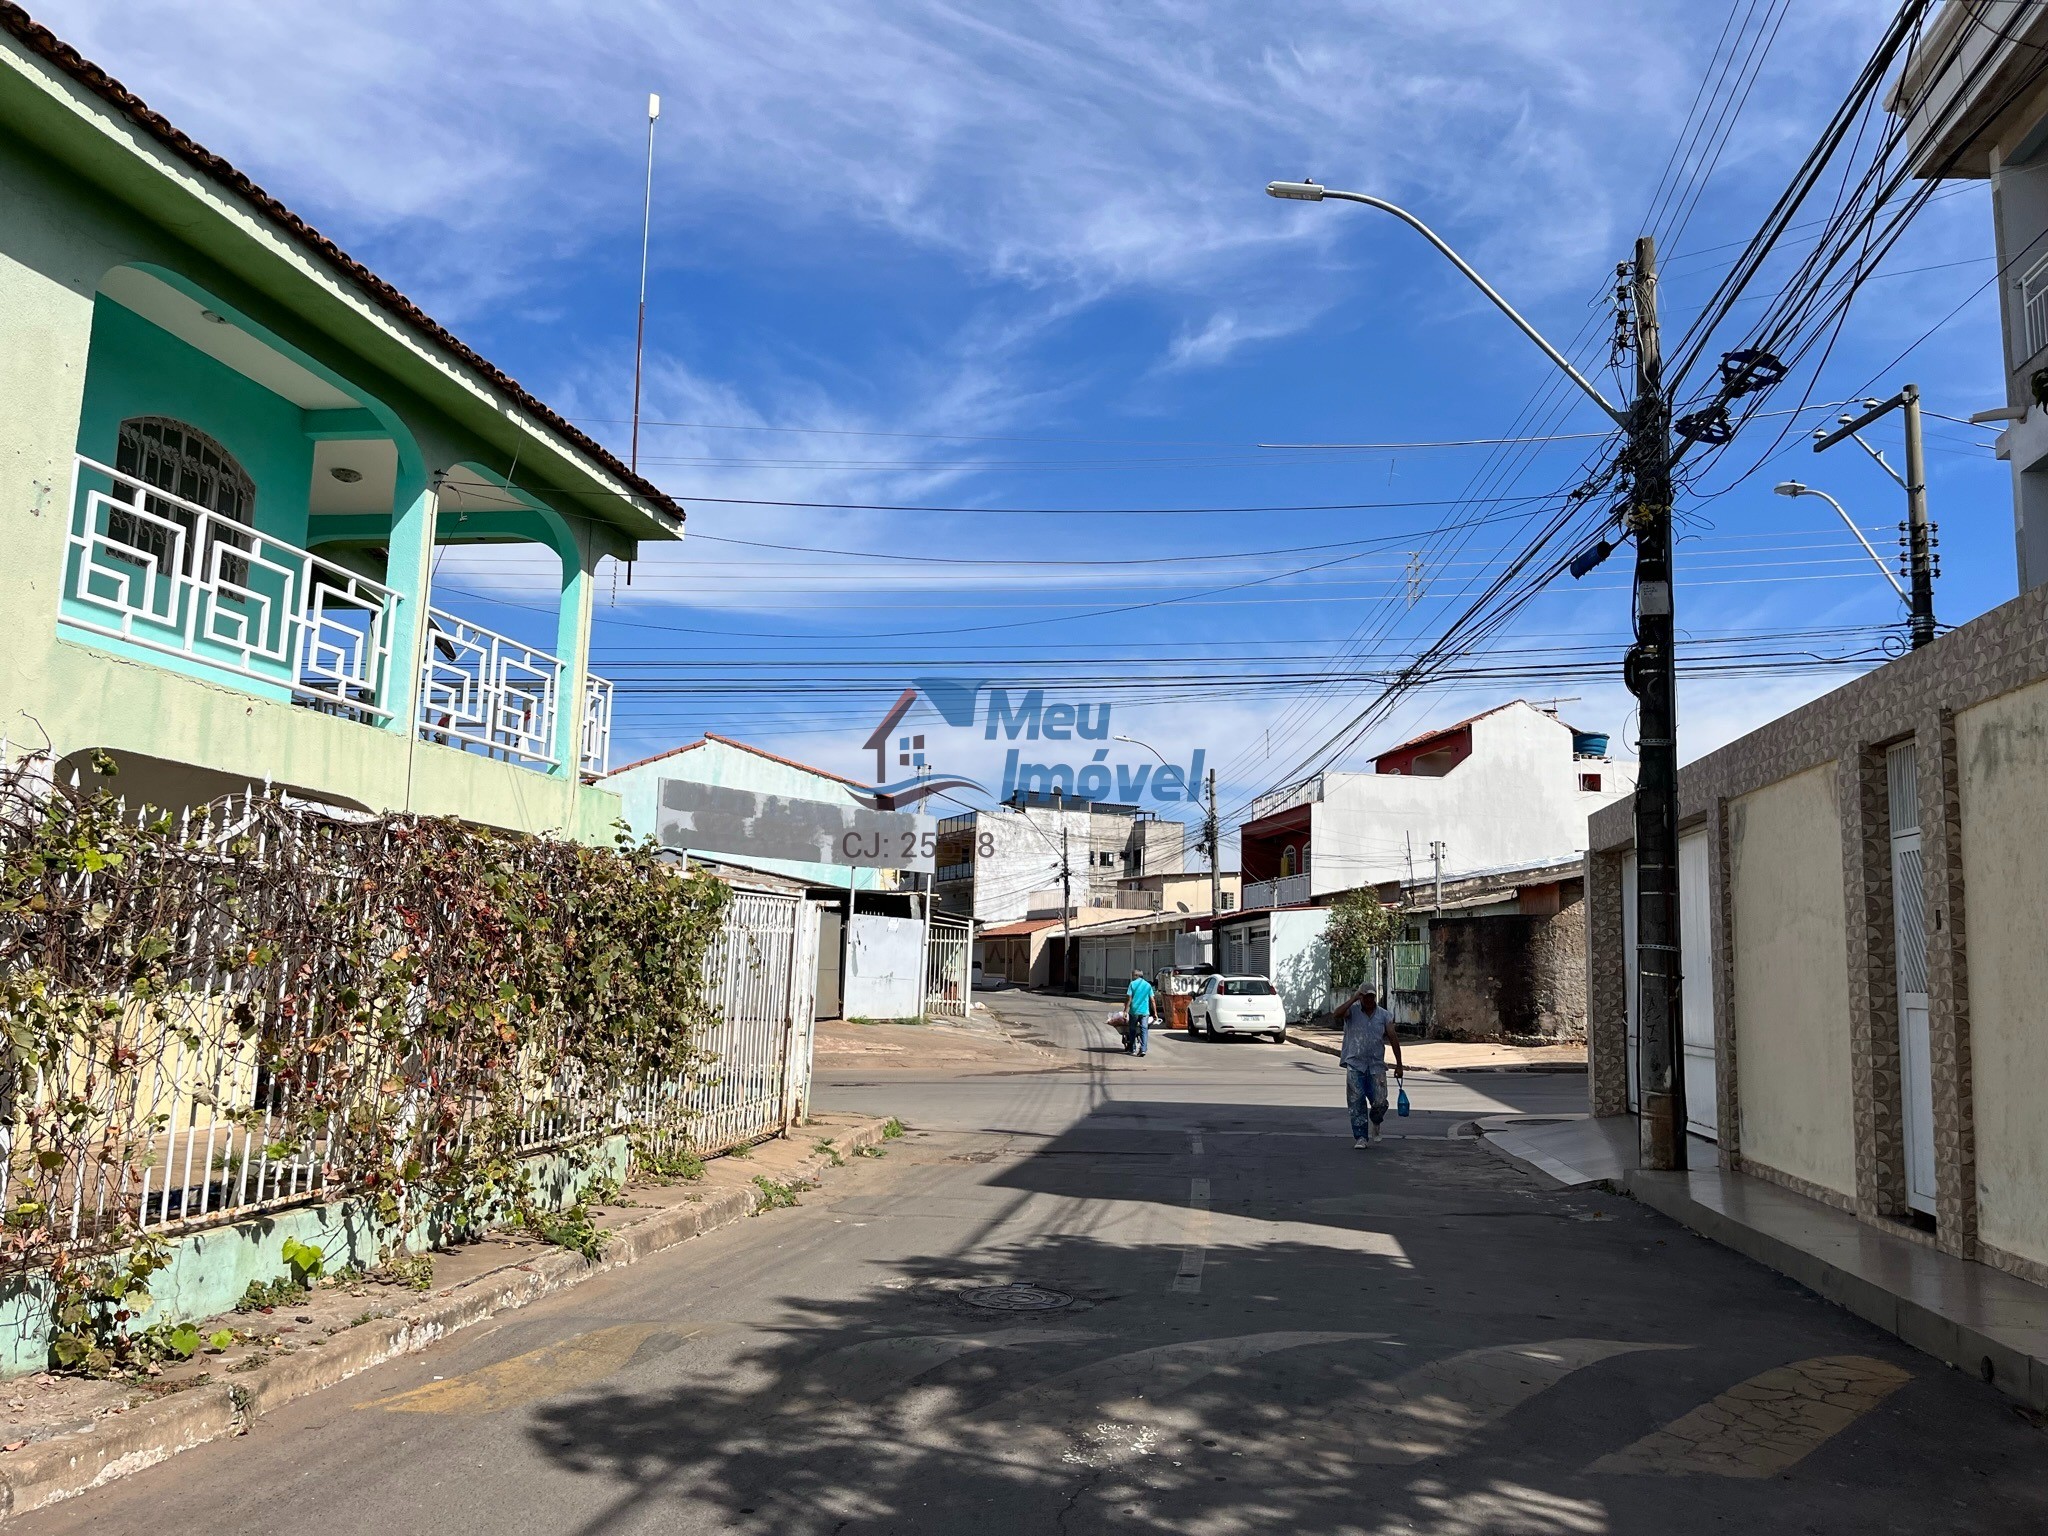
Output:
[[1189, 1277], [1194, 1143], [1765, 1425], [1435, 1409]]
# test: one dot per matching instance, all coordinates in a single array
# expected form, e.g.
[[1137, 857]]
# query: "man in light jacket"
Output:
[[1368, 1031]]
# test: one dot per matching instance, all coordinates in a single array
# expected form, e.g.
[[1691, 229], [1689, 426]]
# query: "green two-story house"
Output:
[[228, 456]]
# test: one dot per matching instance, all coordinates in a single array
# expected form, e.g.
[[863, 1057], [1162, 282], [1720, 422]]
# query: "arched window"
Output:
[[188, 464], [1304, 858], [1286, 861]]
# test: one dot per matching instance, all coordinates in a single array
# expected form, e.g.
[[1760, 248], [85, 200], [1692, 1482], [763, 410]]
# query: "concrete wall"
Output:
[[1509, 974], [1514, 802], [2002, 751], [1791, 983]]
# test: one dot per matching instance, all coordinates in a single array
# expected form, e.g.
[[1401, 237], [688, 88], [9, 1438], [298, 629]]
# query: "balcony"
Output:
[[176, 578], [1287, 891], [485, 692]]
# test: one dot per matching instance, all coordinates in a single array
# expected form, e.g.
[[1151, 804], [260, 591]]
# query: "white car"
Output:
[[1237, 1005]]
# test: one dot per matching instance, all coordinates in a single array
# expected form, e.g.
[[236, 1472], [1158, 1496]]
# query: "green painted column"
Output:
[[572, 642]]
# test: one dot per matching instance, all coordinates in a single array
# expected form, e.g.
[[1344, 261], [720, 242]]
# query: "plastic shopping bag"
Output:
[[1401, 1103]]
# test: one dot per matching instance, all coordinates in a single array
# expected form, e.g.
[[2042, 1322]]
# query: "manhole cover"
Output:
[[1016, 1298]]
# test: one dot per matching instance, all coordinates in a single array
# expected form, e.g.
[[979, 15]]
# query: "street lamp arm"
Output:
[[1868, 548], [1300, 191], [1149, 748]]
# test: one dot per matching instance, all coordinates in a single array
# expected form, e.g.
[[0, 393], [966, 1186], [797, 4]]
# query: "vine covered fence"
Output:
[[262, 1002]]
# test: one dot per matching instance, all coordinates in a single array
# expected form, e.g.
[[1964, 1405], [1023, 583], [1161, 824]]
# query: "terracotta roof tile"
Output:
[[44, 43]]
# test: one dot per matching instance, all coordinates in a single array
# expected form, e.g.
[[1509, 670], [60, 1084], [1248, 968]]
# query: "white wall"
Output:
[[2002, 754], [1791, 977], [1515, 801], [884, 967]]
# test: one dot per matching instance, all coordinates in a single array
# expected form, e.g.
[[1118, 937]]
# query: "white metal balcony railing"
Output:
[[175, 577], [1287, 891], [2034, 305], [169, 575], [486, 692], [597, 724]]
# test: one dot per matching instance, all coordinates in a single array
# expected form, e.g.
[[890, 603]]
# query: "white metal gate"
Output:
[[1909, 929], [1259, 950], [949, 946], [762, 969]]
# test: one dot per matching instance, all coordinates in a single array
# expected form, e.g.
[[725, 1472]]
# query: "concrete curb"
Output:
[[114, 1447], [1930, 1326], [1555, 1173]]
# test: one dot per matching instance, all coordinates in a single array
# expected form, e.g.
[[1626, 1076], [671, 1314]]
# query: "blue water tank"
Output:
[[1589, 743]]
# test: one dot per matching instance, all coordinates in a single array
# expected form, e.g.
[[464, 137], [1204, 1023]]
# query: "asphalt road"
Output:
[[1157, 1296]]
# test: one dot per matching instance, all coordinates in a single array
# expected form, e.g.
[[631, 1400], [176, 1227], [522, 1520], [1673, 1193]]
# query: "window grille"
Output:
[[190, 465]]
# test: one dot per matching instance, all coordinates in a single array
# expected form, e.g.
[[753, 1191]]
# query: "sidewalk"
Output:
[[1973, 1317], [984, 1043], [65, 1434], [1458, 1055]]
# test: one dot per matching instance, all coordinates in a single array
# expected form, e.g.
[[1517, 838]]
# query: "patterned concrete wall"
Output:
[[1917, 696], [1606, 988]]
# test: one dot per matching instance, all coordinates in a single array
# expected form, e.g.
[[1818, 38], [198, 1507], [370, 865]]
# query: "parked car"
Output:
[[1237, 1005]]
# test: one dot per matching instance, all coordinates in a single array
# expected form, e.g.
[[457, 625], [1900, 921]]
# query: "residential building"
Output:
[[1861, 890], [1508, 788], [872, 929], [723, 763], [1976, 108], [1288, 945], [1504, 954], [1003, 865], [1186, 891], [1109, 953], [1032, 952], [230, 456]]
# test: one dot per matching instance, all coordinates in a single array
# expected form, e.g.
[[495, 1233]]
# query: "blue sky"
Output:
[[1018, 260]]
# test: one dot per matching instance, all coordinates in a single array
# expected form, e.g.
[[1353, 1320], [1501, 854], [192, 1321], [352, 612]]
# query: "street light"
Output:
[[1794, 488], [1650, 672], [1212, 834], [1311, 192]]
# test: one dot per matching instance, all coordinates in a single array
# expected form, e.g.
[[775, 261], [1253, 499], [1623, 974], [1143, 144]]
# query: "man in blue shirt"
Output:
[[1138, 1004], [1368, 1031]]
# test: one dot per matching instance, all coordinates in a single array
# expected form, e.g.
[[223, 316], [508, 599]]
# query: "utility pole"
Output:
[[1213, 830], [1436, 852], [1919, 546], [1651, 674], [1917, 534], [1067, 967]]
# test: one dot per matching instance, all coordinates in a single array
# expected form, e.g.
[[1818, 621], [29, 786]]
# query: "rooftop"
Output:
[[646, 502]]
